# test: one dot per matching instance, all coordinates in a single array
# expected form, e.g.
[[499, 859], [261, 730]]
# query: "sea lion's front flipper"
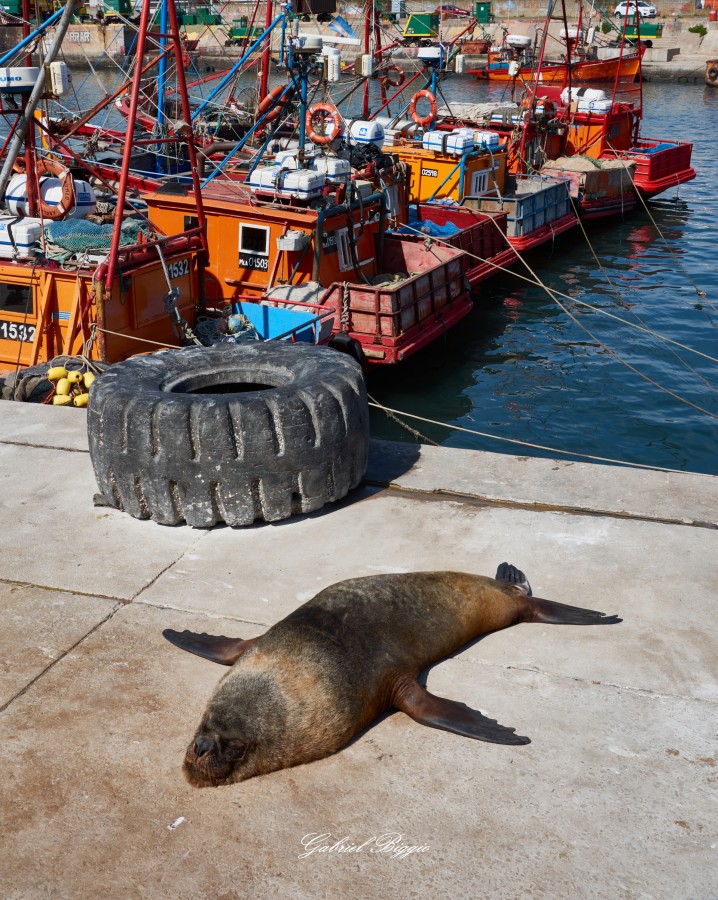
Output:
[[410, 697], [217, 648]]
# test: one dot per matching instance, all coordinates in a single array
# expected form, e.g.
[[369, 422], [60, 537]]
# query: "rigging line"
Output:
[[536, 282], [608, 350], [508, 440], [701, 293], [626, 306], [605, 347]]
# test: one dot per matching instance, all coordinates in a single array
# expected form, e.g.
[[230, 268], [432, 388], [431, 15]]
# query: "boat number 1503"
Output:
[[179, 268], [16, 331]]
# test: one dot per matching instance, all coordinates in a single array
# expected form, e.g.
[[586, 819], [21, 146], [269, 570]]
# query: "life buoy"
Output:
[[269, 101], [67, 200], [398, 77], [423, 121], [712, 73], [329, 112]]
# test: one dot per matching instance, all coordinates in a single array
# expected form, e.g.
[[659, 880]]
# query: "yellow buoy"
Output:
[[88, 378], [81, 399], [56, 372], [61, 400], [63, 386], [74, 377]]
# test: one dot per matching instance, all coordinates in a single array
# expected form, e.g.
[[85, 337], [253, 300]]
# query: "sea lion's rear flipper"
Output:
[[511, 575], [217, 648], [560, 614], [410, 697]]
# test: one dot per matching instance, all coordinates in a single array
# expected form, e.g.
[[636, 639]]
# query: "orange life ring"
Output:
[[268, 101], [67, 200], [423, 121], [398, 78], [329, 112]]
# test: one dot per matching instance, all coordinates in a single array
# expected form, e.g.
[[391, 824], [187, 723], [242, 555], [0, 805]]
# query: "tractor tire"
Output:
[[231, 433]]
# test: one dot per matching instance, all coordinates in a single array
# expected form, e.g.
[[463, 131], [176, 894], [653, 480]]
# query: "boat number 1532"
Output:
[[179, 268], [16, 331]]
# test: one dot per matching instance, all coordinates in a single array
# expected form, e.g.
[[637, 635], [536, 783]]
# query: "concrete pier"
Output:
[[615, 796]]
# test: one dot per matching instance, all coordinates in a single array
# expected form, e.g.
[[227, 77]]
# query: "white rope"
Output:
[[516, 441]]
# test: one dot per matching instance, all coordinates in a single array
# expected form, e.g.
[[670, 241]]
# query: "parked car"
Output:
[[449, 11], [645, 10]]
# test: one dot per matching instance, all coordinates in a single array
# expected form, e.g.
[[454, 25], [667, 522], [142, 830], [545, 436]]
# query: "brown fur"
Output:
[[326, 671]]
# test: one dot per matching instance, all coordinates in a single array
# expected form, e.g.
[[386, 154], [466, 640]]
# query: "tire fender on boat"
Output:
[[329, 112], [230, 433], [423, 121], [712, 73]]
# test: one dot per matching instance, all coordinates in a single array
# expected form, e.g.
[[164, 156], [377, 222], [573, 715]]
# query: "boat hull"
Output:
[[626, 68]]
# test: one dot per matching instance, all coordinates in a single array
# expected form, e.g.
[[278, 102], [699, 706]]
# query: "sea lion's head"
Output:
[[242, 732]]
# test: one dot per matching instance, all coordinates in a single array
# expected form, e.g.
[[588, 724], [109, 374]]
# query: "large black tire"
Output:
[[230, 433]]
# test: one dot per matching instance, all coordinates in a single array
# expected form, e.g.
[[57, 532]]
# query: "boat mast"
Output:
[[267, 54], [184, 131], [369, 13], [26, 119]]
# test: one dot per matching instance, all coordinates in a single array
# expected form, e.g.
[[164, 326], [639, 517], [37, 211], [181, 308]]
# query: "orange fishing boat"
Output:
[[70, 285], [622, 67]]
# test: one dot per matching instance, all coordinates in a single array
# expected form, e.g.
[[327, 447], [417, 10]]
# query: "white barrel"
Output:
[[573, 32], [51, 193]]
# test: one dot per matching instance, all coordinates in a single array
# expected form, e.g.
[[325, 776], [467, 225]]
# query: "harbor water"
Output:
[[529, 374], [522, 368]]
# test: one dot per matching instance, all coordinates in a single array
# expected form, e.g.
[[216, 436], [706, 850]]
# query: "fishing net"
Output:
[[73, 237]]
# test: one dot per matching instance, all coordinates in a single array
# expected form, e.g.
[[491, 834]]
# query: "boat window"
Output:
[[479, 183], [254, 239], [190, 222], [16, 298]]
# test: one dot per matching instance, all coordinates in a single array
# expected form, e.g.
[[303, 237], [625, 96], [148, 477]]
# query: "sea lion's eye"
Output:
[[236, 750]]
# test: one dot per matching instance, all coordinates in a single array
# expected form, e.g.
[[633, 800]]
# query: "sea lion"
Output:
[[325, 672]]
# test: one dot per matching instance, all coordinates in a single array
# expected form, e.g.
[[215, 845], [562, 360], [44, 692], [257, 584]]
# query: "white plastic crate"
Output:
[[488, 139], [598, 106], [303, 183], [18, 239], [335, 169], [448, 142]]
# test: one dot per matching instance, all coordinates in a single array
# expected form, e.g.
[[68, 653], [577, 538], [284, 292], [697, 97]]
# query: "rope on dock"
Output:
[[394, 413]]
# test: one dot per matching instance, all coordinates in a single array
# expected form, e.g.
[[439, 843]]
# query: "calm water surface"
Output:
[[520, 367]]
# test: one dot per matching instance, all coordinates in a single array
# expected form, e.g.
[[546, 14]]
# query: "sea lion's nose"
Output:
[[202, 744]]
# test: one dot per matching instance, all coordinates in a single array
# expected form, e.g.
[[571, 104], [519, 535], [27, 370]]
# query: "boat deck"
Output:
[[614, 797]]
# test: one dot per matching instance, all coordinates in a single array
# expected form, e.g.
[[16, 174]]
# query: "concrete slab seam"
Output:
[[169, 566], [439, 494], [623, 688], [54, 662], [43, 446], [92, 595], [214, 617]]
